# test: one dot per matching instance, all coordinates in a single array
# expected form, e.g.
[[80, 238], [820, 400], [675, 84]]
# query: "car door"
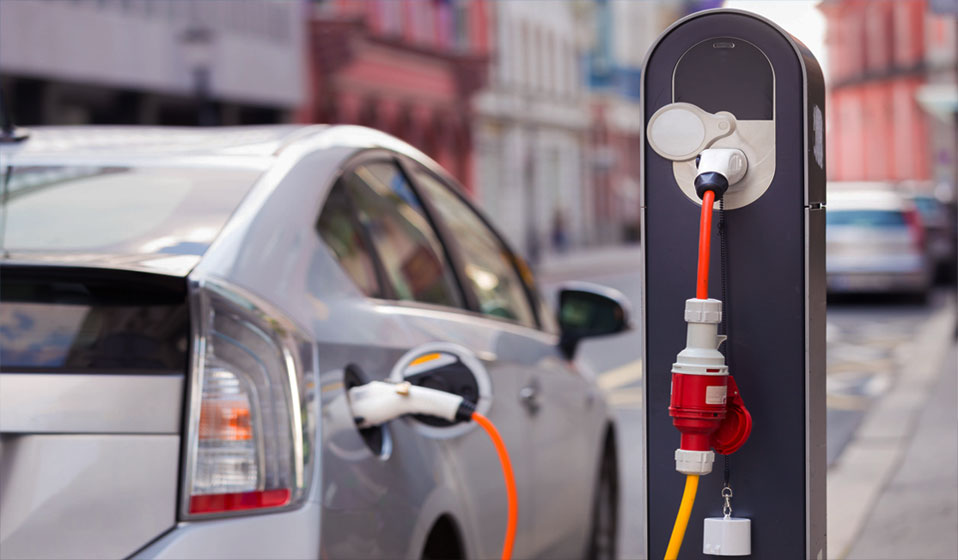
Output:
[[559, 405], [410, 298]]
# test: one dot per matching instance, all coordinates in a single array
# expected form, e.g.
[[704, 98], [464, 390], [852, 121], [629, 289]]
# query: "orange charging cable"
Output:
[[701, 292], [513, 498], [705, 245]]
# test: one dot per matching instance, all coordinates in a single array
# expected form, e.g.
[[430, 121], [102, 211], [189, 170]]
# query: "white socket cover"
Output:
[[677, 133], [680, 131], [727, 536]]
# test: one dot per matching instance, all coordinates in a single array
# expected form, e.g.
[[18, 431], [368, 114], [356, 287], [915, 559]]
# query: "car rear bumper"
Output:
[[291, 534], [877, 282]]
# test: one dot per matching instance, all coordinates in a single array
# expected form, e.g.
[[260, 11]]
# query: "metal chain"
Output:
[[723, 243]]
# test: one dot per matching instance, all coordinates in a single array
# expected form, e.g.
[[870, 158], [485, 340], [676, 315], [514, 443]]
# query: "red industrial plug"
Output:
[[706, 406], [698, 408]]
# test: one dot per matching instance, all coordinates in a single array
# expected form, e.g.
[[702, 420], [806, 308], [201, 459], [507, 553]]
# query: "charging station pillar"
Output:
[[734, 61]]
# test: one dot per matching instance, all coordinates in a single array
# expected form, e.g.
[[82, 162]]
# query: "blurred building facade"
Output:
[[532, 126], [558, 128], [151, 61], [407, 67], [618, 35], [885, 122], [532, 104], [939, 96]]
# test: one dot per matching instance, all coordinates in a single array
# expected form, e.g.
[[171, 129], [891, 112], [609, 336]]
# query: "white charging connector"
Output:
[[376, 403], [731, 163], [718, 169]]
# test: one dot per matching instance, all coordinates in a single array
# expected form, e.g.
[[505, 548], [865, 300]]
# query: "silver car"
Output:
[[183, 311], [940, 237], [875, 243]]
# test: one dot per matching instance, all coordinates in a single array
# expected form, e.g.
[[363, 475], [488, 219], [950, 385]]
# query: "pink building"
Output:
[[877, 64], [407, 67]]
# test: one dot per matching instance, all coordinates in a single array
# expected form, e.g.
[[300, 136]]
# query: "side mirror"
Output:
[[588, 310]]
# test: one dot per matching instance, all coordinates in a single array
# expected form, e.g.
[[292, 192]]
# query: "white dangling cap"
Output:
[[727, 536]]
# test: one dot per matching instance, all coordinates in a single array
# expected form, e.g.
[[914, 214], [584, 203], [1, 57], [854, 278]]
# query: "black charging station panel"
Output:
[[776, 286]]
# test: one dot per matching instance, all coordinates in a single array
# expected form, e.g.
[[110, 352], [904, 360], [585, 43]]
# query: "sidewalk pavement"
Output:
[[894, 491], [598, 261]]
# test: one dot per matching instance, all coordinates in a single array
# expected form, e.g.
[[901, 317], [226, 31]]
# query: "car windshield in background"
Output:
[[926, 204], [932, 211], [120, 210], [865, 218]]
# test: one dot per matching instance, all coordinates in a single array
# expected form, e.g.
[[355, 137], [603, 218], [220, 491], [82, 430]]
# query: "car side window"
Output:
[[409, 249], [339, 229], [487, 264], [547, 318]]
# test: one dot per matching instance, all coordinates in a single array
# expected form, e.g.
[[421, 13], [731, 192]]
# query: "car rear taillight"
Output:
[[916, 228], [251, 422]]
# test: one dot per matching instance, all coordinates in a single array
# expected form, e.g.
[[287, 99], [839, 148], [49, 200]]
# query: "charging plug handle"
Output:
[[377, 402], [718, 169], [711, 181]]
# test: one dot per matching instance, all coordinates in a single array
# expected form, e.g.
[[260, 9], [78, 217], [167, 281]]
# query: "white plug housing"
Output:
[[727, 536], [694, 462], [376, 402], [701, 355], [730, 163]]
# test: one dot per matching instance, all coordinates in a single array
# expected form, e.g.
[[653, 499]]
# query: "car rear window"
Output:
[[865, 218], [75, 320], [120, 210]]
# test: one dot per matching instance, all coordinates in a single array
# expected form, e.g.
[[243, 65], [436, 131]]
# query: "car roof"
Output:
[[866, 200], [246, 147], [157, 141], [237, 146]]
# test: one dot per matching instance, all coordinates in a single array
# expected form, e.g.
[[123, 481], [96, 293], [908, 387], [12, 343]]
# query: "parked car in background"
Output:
[[939, 226], [184, 310], [875, 243]]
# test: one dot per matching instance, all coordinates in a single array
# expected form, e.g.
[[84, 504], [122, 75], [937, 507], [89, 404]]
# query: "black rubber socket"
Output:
[[711, 181], [464, 413]]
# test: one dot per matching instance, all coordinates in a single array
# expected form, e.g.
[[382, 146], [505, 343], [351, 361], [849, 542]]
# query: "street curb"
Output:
[[869, 461]]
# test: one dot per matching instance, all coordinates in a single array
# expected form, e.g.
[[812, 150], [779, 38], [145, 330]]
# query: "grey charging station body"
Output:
[[737, 62]]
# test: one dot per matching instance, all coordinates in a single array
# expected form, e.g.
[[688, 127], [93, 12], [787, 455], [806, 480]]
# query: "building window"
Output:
[[903, 34], [390, 16], [503, 41], [876, 52], [461, 22], [526, 56]]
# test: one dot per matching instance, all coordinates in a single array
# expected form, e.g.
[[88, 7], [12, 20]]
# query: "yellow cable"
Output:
[[682, 519]]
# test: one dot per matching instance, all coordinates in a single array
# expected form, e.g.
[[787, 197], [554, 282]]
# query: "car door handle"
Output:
[[529, 397]]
